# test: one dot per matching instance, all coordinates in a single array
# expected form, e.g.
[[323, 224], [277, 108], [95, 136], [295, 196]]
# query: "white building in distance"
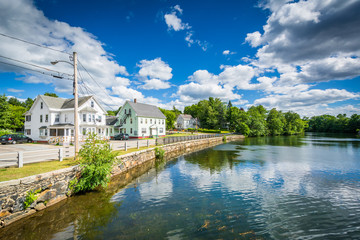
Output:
[[141, 120], [185, 121], [51, 117]]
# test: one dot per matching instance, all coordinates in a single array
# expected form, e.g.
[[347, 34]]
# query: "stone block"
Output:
[[9, 183], [40, 206], [17, 216], [46, 195]]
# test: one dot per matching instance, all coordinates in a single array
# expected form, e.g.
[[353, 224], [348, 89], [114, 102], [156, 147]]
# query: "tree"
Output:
[[275, 122], [257, 121], [28, 103], [16, 117], [170, 118], [15, 102], [176, 111], [4, 113], [51, 94]]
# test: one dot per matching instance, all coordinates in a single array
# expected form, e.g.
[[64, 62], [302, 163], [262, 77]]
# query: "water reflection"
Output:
[[252, 189]]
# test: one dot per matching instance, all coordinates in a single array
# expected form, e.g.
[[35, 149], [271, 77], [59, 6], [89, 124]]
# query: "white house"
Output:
[[140, 120], [51, 117], [185, 121]]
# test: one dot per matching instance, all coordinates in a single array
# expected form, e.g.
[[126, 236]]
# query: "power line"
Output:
[[34, 65], [55, 76], [96, 82], [35, 44]]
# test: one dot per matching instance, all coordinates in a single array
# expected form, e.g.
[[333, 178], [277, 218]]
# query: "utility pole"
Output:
[[76, 117]]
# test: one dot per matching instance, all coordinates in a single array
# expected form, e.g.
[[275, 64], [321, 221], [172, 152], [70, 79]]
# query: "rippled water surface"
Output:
[[297, 187]]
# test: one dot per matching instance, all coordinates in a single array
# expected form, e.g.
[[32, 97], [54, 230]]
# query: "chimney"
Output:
[[134, 100]]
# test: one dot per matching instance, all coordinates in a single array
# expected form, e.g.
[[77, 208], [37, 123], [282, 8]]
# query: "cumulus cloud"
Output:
[[227, 52], [21, 19], [155, 74], [306, 102], [318, 37]]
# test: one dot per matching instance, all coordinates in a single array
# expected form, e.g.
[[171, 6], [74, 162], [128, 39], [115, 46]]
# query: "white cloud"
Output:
[[307, 102], [13, 90], [21, 19], [155, 74], [155, 84], [155, 69], [175, 23], [318, 37]]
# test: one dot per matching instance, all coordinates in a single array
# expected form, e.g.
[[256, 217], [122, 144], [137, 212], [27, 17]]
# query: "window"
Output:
[[84, 131], [41, 118], [27, 131], [150, 120], [130, 120], [93, 117], [146, 120], [143, 130], [84, 117], [163, 121], [46, 132], [100, 119], [66, 118], [67, 132], [57, 117], [46, 118], [141, 121], [125, 121], [52, 132], [92, 104], [125, 111], [89, 117], [41, 105], [42, 132], [28, 118], [130, 130], [129, 111], [161, 130], [99, 131]]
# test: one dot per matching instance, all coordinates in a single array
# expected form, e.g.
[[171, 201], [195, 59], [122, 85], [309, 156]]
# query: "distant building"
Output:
[[51, 117], [185, 121], [140, 120]]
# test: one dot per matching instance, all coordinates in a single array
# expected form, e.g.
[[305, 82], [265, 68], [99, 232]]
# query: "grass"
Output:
[[34, 169], [27, 170]]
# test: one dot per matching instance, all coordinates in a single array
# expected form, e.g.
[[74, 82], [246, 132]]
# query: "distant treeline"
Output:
[[339, 124], [258, 121]]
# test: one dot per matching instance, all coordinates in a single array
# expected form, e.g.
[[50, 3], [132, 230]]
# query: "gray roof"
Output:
[[111, 120], [146, 110], [186, 116], [63, 103]]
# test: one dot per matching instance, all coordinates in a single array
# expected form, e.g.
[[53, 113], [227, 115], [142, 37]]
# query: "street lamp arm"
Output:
[[57, 61]]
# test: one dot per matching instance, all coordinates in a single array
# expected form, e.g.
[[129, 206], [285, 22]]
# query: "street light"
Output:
[[76, 121]]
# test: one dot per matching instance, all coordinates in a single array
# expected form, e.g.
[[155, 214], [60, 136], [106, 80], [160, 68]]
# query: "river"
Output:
[[286, 187]]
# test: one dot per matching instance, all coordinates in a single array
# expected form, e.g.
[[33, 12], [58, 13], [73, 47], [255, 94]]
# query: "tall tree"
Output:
[[275, 122], [4, 113]]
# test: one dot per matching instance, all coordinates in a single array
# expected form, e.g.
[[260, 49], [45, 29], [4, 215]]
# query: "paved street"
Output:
[[24, 147]]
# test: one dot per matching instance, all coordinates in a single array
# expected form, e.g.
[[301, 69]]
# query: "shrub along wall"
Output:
[[23, 197]]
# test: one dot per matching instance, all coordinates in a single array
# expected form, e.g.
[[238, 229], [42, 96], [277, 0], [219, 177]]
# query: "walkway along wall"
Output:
[[52, 187]]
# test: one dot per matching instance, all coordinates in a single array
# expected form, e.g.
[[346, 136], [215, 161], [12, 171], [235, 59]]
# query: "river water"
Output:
[[287, 187]]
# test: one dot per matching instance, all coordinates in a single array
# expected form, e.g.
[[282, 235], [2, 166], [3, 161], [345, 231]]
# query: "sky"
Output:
[[301, 56]]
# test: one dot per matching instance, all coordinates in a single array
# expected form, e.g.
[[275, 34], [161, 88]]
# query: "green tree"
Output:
[[275, 122], [16, 117], [15, 102], [257, 121], [4, 113], [28, 103], [170, 118]]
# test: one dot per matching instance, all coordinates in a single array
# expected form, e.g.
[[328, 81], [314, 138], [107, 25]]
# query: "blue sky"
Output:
[[293, 55]]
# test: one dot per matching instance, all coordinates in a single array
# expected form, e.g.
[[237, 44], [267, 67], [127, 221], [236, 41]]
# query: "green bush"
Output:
[[96, 161], [5, 131], [224, 139], [159, 153]]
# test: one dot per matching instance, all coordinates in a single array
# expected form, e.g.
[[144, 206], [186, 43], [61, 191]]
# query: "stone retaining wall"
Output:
[[52, 187]]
